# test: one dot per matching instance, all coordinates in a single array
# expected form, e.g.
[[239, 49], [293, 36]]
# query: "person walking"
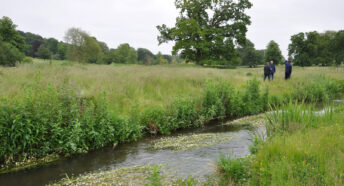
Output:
[[273, 69], [267, 71], [288, 69]]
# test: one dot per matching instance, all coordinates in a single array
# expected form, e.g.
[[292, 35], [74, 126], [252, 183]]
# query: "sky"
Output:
[[134, 21]]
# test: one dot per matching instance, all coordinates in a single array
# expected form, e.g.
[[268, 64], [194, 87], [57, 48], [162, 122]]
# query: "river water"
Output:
[[198, 162]]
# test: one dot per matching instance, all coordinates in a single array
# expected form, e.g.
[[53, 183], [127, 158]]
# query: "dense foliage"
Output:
[[273, 53], [11, 43], [249, 55], [313, 48], [200, 35], [58, 119]]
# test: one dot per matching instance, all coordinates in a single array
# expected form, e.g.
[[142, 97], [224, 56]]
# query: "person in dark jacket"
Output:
[[288, 69], [273, 69], [267, 71]]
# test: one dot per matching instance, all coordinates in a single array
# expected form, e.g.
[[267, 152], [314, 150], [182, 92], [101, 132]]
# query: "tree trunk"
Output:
[[198, 56]]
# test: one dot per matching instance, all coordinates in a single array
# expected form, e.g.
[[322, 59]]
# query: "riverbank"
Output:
[[302, 148], [61, 119]]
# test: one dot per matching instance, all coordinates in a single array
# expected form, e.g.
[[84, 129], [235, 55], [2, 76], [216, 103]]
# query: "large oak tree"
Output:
[[207, 29]]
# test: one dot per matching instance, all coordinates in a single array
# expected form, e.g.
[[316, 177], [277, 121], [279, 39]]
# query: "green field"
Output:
[[63, 108], [127, 86]]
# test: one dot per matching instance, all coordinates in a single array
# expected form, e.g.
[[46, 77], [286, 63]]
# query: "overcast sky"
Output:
[[135, 21]]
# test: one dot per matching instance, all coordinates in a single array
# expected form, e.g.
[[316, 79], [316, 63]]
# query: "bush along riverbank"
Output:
[[59, 120], [302, 147]]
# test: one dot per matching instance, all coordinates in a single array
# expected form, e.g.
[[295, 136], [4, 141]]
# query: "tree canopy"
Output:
[[313, 48], [207, 29], [11, 43], [145, 56], [126, 54], [43, 52], [273, 53], [249, 55], [83, 47]]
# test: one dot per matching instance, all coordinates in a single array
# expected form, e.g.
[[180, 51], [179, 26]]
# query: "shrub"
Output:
[[53, 120], [155, 121], [252, 100], [184, 113], [9, 55], [321, 90], [234, 170], [28, 60], [214, 100]]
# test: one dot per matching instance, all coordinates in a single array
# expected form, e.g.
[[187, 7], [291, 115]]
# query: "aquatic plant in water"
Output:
[[189, 142]]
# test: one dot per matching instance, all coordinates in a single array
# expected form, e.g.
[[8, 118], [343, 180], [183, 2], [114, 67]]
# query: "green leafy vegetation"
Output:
[[11, 43], [200, 35], [303, 147], [273, 53], [249, 55], [313, 48]]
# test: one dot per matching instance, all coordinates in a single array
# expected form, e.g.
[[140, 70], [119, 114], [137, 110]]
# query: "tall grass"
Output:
[[61, 120], [70, 108], [146, 86], [295, 116], [304, 148]]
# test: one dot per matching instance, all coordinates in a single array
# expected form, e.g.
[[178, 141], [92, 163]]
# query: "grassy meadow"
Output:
[[63, 108], [129, 86]]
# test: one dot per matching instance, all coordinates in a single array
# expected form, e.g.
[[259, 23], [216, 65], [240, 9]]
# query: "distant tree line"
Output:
[[77, 46], [306, 49], [251, 57], [313, 48]]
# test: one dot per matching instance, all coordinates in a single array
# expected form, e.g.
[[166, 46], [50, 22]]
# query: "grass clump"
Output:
[[233, 171], [303, 148], [295, 116], [189, 142]]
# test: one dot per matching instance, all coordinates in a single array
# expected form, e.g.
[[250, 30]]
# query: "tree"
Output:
[[324, 56], [10, 35], [52, 45], [110, 57], [32, 43], [207, 29], [126, 54], [337, 46], [168, 58], [312, 48], [103, 46], [11, 43], [62, 51], [82, 47], [145, 56], [273, 53], [75, 37], [9, 54], [91, 51], [249, 55], [43, 52], [35, 45], [160, 59]]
